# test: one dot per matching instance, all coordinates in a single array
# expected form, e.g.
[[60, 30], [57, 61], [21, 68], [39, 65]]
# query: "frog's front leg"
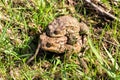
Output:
[[71, 49], [84, 29]]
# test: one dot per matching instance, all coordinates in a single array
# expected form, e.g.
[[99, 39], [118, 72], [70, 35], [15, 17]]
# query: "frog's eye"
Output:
[[48, 45], [56, 32]]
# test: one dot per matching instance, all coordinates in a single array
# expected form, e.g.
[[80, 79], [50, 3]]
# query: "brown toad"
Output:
[[67, 26], [63, 34], [59, 45]]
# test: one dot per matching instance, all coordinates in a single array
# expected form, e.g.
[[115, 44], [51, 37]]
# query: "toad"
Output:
[[67, 26], [64, 34]]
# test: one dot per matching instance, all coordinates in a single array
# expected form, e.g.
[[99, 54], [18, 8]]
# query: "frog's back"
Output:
[[63, 25], [67, 21]]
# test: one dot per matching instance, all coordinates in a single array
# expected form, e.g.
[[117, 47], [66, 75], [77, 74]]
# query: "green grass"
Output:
[[20, 24]]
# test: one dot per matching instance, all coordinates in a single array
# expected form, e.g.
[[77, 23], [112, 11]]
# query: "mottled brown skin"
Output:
[[62, 26], [59, 45], [56, 45], [67, 26], [64, 34]]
